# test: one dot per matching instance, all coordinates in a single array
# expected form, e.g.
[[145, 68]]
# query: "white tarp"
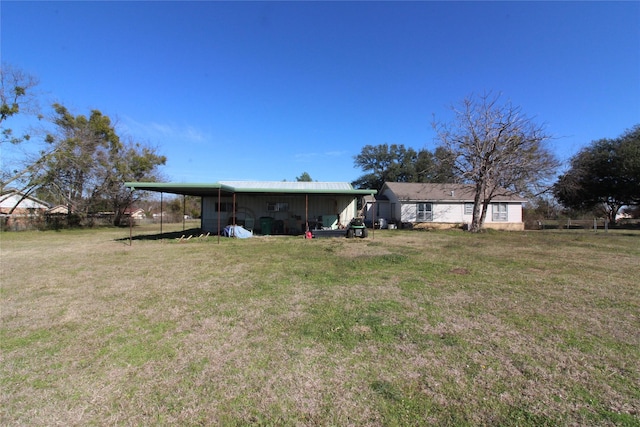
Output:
[[237, 231]]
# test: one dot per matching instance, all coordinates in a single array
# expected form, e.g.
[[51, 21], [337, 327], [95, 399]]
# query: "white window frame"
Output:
[[424, 212], [499, 212], [468, 208]]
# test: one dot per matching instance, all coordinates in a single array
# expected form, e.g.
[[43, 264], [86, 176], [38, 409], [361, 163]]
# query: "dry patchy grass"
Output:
[[407, 328]]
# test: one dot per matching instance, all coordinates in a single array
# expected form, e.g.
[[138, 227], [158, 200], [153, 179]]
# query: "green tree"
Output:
[[380, 162], [18, 97], [436, 167], [91, 163], [396, 163], [183, 205], [134, 162], [305, 177], [498, 149], [77, 172], [604, 176]]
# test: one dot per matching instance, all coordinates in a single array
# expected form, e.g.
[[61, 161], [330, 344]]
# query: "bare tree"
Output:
[[496, 148]]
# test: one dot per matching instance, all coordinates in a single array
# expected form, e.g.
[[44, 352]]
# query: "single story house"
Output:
[[17, 203], [58, 210], [19, 210], [441, 206], [268, 207]]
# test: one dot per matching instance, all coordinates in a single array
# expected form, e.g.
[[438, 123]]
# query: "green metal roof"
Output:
[[256, 187]]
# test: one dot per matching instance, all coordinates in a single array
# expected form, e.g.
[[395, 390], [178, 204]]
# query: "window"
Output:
[[224, 207], [468, 208], [499, 211], [277, 207], [424, 212]]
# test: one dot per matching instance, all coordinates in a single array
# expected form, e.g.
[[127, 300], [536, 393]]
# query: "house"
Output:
[[58, 210], [18, 209], [135, 213], [17, 203], [268, 207], [440, 206]]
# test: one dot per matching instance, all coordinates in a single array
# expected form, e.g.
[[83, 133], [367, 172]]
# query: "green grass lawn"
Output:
[[405, 328]]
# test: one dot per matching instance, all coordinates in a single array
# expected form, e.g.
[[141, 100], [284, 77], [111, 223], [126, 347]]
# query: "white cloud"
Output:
[[335, 153], [158, 132]]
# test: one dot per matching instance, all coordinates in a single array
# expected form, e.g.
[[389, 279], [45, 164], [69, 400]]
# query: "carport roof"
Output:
[[255, 187]]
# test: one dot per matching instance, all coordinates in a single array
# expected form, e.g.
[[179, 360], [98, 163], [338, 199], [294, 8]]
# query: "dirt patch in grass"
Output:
[[356, 248]]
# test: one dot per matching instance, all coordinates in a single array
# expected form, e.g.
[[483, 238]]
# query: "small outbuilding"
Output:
[[441, 206], [268, 207]]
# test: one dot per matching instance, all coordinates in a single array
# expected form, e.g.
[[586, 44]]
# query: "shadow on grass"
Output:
[[191, 232]]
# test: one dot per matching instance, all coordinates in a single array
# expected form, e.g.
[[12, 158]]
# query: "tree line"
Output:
[[493, 146], [488, 143]]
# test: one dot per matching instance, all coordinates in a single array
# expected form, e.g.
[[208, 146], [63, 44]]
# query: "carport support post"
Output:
[[219, 215], [161, 212], [184, 209], [233, 214], [373, 219], [306, 213], [130, 225]]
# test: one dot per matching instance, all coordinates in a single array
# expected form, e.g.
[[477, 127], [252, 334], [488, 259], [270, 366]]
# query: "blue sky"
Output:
[[268, 90]]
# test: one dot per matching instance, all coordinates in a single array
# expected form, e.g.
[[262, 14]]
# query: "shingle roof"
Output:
[[440, 192], [10, 196]]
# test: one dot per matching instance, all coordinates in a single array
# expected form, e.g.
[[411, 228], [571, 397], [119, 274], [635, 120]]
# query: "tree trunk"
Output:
[[476, 221], [118, 217], [612, 212], [485, 208]]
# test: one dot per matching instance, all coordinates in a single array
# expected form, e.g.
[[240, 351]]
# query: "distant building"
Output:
[[135, 213], [58, 210], [18, 209]]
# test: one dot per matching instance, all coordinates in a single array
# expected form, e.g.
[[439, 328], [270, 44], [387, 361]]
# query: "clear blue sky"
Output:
[[268, 90]]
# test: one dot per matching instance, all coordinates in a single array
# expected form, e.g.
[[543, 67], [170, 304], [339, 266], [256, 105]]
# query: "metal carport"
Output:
[[232, 189]]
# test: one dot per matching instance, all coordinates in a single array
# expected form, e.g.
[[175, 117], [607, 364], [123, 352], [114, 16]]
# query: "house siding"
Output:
[[451, 212], [454, 212], [18, 213]]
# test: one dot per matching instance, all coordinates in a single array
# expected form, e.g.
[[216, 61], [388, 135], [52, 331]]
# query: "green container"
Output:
[[266, 224]]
